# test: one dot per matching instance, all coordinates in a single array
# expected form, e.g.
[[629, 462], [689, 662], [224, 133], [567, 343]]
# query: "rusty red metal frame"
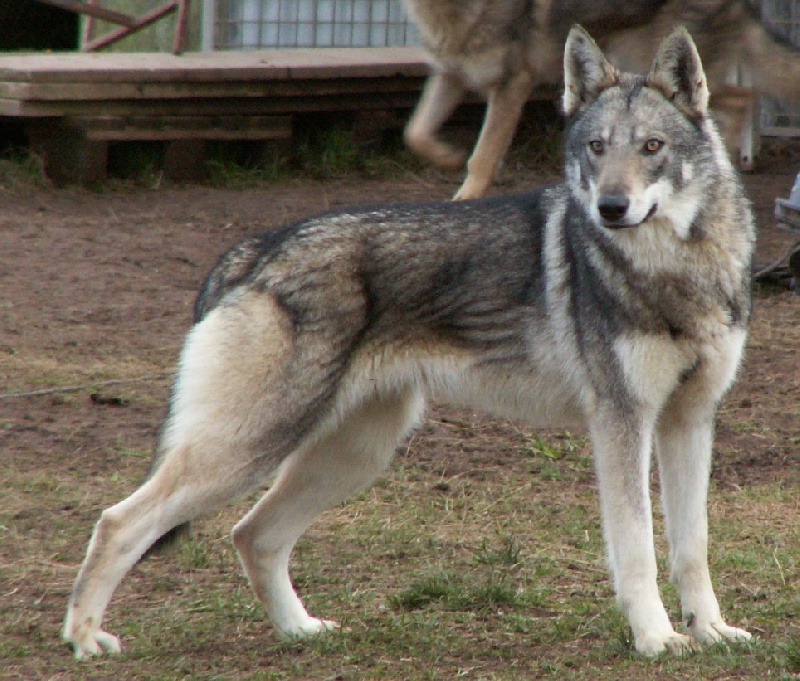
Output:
[[127, 23]]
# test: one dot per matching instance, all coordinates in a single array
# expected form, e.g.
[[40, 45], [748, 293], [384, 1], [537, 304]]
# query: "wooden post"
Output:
[[69, 157]]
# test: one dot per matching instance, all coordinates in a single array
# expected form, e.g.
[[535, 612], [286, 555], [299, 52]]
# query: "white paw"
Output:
[[93, 644], [472, 189], [309, 628], [713, 632], [673, 642]]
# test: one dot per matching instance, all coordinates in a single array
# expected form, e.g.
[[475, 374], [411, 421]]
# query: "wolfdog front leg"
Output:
[[622, 445], [684, 445], [503, 111]]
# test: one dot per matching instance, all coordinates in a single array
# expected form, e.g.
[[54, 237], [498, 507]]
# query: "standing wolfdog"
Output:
[[504, 48], [617, 301]]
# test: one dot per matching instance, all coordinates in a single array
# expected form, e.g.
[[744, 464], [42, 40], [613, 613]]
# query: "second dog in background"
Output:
[[502, 49]]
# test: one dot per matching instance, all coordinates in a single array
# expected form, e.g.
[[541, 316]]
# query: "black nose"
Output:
[[613, 207]]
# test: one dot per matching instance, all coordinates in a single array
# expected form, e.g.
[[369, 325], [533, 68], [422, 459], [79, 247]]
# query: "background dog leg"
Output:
[[440, 96], [503, 112], [622, 454], [684, 455], [311, 481]]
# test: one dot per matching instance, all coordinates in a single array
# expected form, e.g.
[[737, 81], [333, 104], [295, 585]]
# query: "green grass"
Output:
[[21, 167], [226, 172], [497, 579]]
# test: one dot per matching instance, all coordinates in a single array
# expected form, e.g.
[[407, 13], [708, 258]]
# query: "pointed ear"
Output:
[[586, 71], [678, 73]]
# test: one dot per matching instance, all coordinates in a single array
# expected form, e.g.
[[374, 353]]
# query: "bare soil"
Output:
[[98, 286]]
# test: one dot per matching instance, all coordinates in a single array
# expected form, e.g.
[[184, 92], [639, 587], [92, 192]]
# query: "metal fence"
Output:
[[251, 24]]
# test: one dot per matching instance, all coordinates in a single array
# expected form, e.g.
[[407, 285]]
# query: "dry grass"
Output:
[[478, 556], [492, 570]]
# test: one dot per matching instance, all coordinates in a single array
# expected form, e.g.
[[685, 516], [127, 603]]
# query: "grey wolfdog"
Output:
[[617, 301], [504, 48]]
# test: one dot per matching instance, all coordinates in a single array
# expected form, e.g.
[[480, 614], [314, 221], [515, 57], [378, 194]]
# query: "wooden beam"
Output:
[[181, 27], [138, 23], [88, 25]]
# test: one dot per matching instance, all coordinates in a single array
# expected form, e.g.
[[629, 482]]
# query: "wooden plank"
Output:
[[13, 107], [137, 128], [278, 102], [160, 135], [132, 68], [55, 92], [252, 106], [356, 62], [231, 122], [273, 96]]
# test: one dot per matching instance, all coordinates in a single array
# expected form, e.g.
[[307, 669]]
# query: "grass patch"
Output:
[[20, 167], [494, 578], [555, 447], [508, 553], [331, 151], [446, 590]]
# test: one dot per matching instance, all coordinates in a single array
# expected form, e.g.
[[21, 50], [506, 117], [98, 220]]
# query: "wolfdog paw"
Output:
[[714, 632], [92, 644], [439, 153], [674, 643], [308, 629], [444, 156], [473, 188]]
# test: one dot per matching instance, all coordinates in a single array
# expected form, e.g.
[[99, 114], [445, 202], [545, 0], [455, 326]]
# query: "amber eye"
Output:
[[653, 145], [597, 147]]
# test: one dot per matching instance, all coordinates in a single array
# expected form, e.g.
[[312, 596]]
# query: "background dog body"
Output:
[[503, 48], [618, 300]]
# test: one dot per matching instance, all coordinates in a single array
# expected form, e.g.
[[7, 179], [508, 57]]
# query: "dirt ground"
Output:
[[98, 285]]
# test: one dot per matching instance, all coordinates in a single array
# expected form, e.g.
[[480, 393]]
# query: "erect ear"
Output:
[[586, 71], [678, 73]]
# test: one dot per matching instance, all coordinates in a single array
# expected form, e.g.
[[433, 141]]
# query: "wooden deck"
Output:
[[73, 105]]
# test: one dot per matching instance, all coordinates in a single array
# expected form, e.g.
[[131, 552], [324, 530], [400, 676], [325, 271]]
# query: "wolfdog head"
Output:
[[639, 149]]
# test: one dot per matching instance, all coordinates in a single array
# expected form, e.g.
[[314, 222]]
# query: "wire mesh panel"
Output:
[[251, 24], [782, 18]]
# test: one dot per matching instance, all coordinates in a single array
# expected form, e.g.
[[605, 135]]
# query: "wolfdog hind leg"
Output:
[[441, 95], [312, 480], [622, 445], [125, 531], [227, 395], [684, 447]]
